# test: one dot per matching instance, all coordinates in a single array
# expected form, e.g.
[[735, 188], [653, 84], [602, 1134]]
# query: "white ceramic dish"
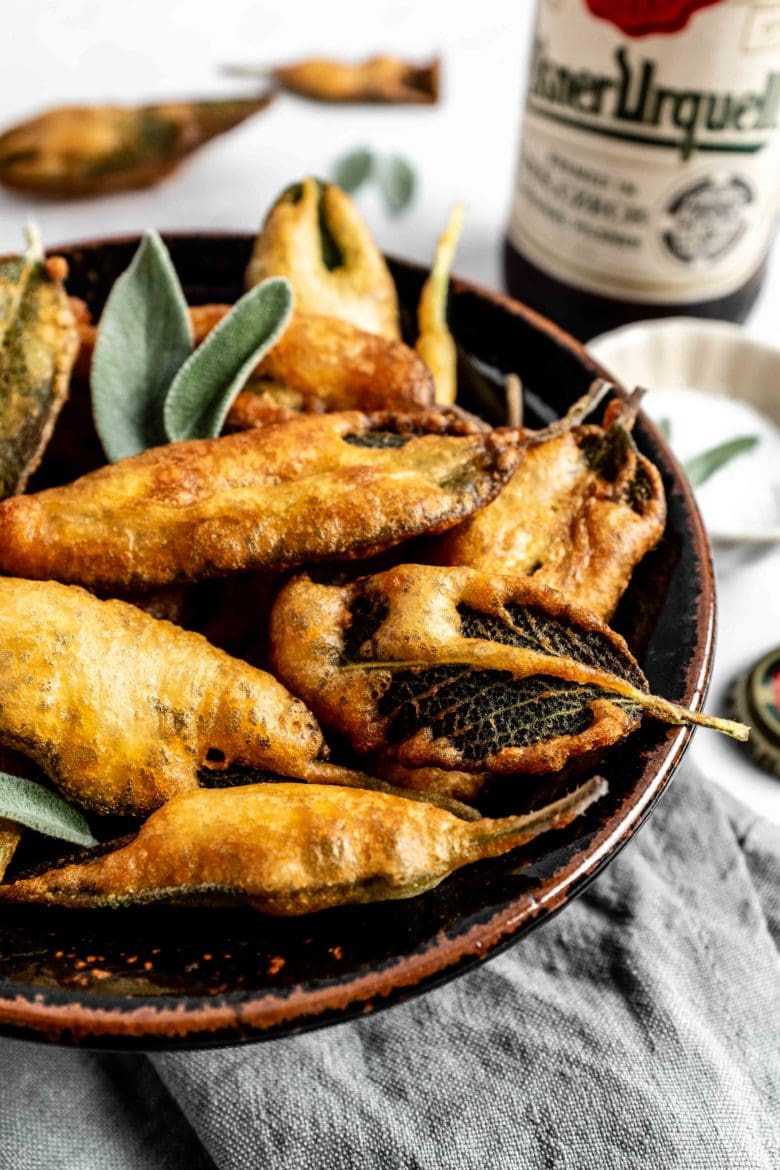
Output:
[[711, 382]]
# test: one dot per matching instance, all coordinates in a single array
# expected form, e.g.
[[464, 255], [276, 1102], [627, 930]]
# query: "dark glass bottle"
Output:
[[649, 169]]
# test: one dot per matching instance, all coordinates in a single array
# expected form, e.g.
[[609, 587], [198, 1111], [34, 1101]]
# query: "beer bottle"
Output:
[[647, 183]]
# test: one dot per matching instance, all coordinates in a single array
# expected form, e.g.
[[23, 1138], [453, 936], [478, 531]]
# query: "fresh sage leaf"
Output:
[[702, 466], [352, 170], [398, 182], [203, 391], [145, 336], [36, 807]]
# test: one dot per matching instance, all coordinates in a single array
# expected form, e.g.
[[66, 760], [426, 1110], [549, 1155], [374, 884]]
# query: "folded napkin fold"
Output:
[[640, 1028]]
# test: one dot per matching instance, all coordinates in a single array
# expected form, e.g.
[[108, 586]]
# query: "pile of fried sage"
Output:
[[198, 633]]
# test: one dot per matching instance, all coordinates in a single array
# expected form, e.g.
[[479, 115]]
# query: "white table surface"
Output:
[[75, 51]]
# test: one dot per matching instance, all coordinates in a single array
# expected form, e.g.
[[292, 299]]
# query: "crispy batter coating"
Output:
[[579, 513], [10, 836], [452, 668], [378, 79], [329, 486], [324, 364], [435, 344], [122, 711], [402, 662], [93, 150], [315, 237], [38, 345], [454, 785], [291, 849]]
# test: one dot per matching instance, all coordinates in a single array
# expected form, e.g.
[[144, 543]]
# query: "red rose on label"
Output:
[[639, 18]]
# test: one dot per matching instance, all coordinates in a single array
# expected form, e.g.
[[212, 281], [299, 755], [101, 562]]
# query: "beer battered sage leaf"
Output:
[[145, 336], [206, 385], [38, 808], [38, 343], [517, 702]]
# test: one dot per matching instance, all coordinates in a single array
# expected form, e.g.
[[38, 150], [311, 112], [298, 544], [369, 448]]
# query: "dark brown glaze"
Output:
[[155, 979]]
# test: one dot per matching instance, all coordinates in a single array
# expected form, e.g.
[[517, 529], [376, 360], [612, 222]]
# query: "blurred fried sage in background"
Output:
[[94, 150], [383, 79]]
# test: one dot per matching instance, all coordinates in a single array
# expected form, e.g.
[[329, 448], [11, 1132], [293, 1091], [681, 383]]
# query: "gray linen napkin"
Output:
[[640, 1028]]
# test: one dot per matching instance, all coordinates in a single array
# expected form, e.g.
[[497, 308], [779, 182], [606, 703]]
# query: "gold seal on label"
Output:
[[755, 699]]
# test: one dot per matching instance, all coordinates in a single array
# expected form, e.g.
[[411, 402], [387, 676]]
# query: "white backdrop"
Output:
[[74, 51]]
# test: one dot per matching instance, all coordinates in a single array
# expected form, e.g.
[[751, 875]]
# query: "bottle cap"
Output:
[[755, 699]]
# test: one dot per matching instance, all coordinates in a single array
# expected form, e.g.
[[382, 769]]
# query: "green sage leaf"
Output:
[[398, 182], [352, 170], [702, 466], [144, 338], [36, 807], [206, 385]]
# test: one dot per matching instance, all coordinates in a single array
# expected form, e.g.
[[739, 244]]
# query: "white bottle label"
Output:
[[650, 164]]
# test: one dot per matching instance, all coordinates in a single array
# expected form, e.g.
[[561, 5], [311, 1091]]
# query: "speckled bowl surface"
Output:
[[162, 978]]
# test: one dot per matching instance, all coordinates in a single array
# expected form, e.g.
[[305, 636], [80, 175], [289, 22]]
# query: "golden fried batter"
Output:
[[291, 849], [465, 786], [435, 344], [38, 345], [328, 486], [122, 711], [452, 668], [378, 79], [324, 364], [315, 237], [579, 513], [92, 150]]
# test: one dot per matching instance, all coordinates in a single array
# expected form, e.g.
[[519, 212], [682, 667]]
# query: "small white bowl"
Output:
[[691, 366]]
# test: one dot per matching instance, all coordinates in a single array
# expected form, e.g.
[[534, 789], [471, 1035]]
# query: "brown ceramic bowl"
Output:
[[161, 978]]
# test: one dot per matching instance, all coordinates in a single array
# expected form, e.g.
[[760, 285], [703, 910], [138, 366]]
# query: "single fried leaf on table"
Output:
[[207, 384], [36, 807], [702, 466], [398, 182], [352, 169], [145, 337], [38, 345], [448, 667]]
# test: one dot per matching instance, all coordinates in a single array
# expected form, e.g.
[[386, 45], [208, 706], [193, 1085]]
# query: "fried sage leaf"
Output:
[[315, 237], [205, 387], [451, 668], [323, 364], [121, 711], [579, 513], [291, 849], [26, 803], [145, 337], [378, 79], [38, 345], [435, 343], [94, 150], [319, 487]]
